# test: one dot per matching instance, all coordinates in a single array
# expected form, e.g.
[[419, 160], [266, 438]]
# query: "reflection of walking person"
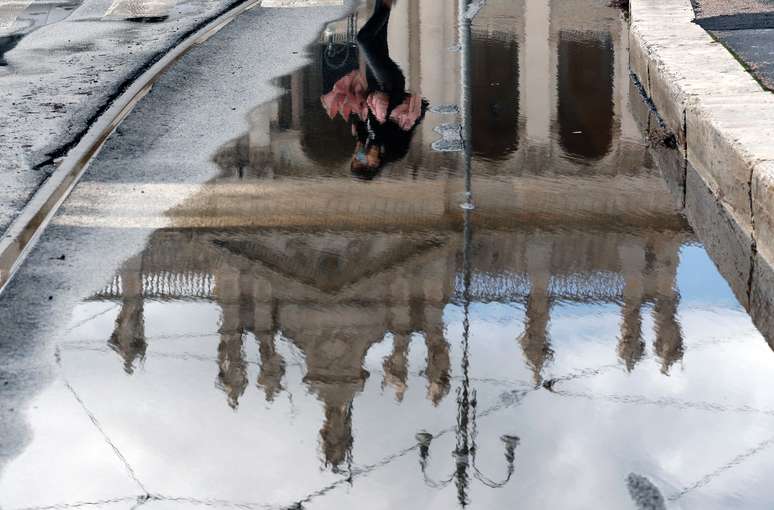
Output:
[[374, 100]]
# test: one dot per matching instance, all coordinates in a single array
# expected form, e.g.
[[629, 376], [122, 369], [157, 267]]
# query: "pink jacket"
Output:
[[349, 96]]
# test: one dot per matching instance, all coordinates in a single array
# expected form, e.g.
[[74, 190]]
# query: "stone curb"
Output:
[[25, 229], [722, 118]]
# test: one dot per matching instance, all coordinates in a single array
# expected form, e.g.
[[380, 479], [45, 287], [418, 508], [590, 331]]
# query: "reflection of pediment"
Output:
[[328, 262]]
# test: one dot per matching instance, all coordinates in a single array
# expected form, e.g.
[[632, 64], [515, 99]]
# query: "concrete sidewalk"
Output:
[[746, 28]]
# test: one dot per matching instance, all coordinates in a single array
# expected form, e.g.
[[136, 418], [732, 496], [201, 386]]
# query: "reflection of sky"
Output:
[[699, 282], [702, 428]]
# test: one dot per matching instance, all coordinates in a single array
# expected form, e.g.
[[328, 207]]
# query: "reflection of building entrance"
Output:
[[586, 94], [495, 78]]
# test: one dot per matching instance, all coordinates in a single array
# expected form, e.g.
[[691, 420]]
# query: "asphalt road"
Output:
[[61, 63], [746, 28], [167, 141]]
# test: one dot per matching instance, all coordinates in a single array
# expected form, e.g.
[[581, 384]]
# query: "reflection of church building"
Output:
[[284, 240]]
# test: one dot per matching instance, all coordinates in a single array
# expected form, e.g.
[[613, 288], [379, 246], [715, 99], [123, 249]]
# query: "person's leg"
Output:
[[376, 24], [382, 72]]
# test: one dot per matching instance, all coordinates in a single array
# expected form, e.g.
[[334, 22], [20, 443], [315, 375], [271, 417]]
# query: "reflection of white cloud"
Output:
[[67, 461], [174, 426]]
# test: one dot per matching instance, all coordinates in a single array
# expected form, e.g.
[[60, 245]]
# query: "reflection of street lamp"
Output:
[[466, 100], [465, 458], [464, 453]]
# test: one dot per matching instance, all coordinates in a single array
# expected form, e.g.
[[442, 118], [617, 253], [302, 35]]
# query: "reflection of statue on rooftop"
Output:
[[396, 365], [669, 336], [128, 338], [631, 347], [374, 101], [232, 367], [272, 367], [438, 365], [534, 341], [232, 373]]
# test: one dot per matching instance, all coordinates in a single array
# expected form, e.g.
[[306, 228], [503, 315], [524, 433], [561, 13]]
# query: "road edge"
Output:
[[21, 235]]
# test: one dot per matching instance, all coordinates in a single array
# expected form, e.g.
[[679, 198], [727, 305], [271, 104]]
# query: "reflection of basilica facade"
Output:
[[522, 121], [285, 242]]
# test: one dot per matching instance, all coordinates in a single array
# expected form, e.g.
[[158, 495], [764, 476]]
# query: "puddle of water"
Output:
[[324, 324]]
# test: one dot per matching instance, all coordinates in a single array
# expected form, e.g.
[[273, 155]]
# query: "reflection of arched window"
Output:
[[585, 93], [494, 79], [325, 141]]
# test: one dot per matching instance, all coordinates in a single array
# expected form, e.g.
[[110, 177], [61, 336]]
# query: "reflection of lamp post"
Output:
[[466, 100], [464, 453]]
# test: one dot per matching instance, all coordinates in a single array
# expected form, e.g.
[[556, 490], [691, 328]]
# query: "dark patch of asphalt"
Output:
[[169, 139], [747, 30]]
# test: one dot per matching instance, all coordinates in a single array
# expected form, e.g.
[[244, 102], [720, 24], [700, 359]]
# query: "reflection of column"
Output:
[[623, 111], [232, 373], [535, 341], [440, 73], [630, 344], [399, 36], [128, 338], [297, 99], [396, 365], [259, 135], [415, 50], [669, 335], [536, 79], [414, 73], [259, 151]]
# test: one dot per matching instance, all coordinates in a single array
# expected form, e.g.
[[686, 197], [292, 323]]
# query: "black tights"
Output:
[[382, 73]]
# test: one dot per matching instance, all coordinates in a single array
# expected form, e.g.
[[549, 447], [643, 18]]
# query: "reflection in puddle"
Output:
[[381, 114], [297, 336]]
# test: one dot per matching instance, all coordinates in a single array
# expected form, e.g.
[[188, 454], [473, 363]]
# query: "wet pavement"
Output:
[[509, 307], [746, 28], [62, 63]]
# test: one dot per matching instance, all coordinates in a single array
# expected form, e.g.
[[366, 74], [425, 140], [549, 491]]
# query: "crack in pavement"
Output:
[[96, 424]]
